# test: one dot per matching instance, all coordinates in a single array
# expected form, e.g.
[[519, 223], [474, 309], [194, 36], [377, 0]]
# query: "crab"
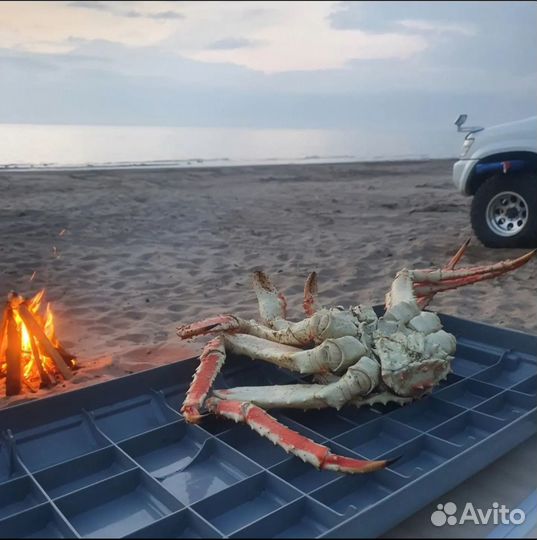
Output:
[[351, 356]]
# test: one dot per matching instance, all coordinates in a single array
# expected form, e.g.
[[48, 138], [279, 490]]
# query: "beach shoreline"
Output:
[[208, 163], [127, 255]]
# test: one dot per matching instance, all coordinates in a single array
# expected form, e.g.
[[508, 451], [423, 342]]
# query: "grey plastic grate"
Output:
[[118, 460]]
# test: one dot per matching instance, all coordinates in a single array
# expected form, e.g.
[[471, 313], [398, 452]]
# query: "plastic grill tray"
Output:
[[117, 459]]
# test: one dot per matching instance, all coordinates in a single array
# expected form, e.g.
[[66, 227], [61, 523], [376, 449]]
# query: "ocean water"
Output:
[[65, 146]]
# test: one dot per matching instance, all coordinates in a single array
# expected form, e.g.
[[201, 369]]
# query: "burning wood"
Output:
[[13, 354], [30, 353]]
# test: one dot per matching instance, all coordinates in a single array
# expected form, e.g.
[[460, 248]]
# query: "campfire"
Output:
[[30, 353]]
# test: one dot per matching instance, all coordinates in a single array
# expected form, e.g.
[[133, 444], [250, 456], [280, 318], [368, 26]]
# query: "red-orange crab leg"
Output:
[[427, 282], [310, 295], [211, 361], [420, 289], [291, 441]]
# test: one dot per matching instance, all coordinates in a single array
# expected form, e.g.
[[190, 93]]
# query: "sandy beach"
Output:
[[128, 255]]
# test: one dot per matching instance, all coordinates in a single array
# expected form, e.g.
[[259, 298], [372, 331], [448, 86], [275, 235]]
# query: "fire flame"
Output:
[[31, 351]]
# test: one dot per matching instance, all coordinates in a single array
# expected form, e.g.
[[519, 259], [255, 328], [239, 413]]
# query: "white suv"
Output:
[[498, 166]]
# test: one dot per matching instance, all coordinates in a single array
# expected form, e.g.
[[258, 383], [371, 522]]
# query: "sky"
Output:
[[399, 66]]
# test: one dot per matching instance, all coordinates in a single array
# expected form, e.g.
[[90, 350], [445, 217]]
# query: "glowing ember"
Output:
[[30, 352]]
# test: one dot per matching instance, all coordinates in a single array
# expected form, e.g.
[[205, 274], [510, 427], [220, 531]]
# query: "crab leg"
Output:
[[211, 361], [292, 396], [423, 283], [471, 274], [324, 324], [358, 381], [291, 441], [333, 355], [426, 290], [310, 294], [232, 324]]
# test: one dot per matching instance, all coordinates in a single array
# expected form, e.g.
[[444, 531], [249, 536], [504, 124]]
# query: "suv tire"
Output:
[[504, 211]]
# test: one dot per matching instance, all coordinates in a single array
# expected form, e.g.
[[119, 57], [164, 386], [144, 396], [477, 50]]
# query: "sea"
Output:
[[55, 146]]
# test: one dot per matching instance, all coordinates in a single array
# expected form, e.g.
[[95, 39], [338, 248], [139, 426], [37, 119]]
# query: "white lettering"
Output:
[[484, 516], [468, 514], [504, 512], [446, 514], [517, 516]]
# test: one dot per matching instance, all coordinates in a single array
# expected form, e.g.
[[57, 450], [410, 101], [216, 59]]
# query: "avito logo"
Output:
[[446, 514]]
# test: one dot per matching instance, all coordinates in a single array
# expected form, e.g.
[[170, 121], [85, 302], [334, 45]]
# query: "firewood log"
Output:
[[34, 329], [13, 356], [3, 331], [45, 379]]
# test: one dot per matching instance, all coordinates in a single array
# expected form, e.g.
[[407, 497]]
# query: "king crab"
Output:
[[353, 356]]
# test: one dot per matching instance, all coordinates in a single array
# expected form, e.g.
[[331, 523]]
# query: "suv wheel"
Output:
[[504, 211]]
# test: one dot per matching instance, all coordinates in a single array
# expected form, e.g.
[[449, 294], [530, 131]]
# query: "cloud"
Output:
[[270, 37], [233, 43], [165, 15], [293, 36], [48, 27], [281, 64], [428, 26], [158, 15], [99, 6], [115, 8]]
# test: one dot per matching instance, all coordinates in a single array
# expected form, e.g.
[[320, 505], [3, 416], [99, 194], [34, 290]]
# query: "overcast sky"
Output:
[[400, 65]]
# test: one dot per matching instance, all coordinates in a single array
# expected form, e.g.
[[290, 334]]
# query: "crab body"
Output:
[[351, 356]]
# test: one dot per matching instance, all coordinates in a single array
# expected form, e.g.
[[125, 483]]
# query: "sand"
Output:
[[127, 255]]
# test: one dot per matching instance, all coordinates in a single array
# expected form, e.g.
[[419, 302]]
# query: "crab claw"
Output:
[[343, 464], [310, 294], [424, 301], [272, 303], [220, 323], [458, 256], [192, 414]]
